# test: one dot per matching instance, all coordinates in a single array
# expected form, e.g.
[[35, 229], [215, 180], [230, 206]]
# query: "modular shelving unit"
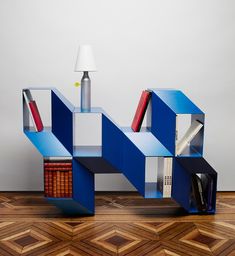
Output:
[[114, 149]]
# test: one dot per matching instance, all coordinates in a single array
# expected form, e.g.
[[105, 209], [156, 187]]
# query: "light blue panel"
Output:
[[87, 151], [83, 186], [148, 144], [177, 101], [47, 143], [69, 206]]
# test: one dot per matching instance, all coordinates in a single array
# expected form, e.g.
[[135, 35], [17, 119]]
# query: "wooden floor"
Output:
[[124, 224]]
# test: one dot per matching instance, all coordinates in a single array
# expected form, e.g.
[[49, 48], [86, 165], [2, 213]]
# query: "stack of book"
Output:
[[58, 177]]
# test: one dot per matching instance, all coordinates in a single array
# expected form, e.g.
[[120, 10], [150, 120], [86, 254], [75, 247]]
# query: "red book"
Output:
[[140, 111], [36, 115]]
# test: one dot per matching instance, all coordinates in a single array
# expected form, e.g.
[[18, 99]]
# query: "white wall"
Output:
[[183, 44]]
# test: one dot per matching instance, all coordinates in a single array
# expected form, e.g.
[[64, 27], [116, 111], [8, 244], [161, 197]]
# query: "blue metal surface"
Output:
[[47, 143], [83, 186], [112, 142], [62, 121], [163, 123], [147, 144], [134, 165], [87, 151], [177, 101], [181, 185]]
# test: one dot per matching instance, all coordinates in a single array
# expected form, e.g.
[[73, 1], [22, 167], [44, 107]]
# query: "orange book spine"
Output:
[[58, 183], [66, 181], [54, 184], [46, 183], [50, 188], [62, 192]]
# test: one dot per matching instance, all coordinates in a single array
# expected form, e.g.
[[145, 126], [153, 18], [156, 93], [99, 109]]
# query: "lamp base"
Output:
[[85, 93]]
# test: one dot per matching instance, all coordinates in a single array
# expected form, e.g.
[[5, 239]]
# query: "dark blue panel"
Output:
[[97, 165], [197, 142], [69, 206], [62, 122], [163, 123], [177, 101], [134, 166], [112, 142], [181, 185], [83, 186]]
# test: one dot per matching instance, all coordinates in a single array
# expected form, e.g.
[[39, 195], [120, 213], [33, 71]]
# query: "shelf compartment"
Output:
[[184, 169]]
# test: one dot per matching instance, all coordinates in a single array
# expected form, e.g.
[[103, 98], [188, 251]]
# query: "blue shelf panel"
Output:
[[83, 186], [151, 190], [87, 151], [70, 206], [177, 101], [112, 142], [47, 143], [148, 144], [62, 110]]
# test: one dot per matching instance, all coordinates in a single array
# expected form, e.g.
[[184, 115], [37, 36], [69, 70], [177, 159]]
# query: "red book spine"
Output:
[[54, 174], [58, 184], [140, 111], [57, 168], [54, 165], [70, 184], [36, 115]]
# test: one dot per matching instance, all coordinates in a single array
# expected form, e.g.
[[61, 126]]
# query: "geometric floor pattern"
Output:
[[120, 227]]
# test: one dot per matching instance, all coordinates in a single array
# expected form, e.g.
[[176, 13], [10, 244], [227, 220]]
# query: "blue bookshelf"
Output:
[[120, 150]]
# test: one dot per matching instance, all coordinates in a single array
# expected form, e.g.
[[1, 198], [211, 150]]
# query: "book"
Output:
[[36, 115], [188, 137], [207, 185], [164, 176], [198, 194], [140, 111], [33, 111]]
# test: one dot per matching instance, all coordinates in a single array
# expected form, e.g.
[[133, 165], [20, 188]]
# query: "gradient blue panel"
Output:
[[93, 110], [112, 142], [148, 144], [163, 123], [62, 121], [47, 143], [134, 166], [181, 185], [87, 151], [83, 186], [177, 101], [69, 206]]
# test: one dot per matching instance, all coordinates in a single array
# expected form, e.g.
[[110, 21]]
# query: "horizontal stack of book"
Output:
[[58, 178]]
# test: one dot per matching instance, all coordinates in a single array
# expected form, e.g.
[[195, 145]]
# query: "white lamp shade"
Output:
[[85, 59]]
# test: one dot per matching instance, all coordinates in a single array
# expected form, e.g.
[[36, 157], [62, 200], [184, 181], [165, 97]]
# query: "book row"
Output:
[[58, 181]]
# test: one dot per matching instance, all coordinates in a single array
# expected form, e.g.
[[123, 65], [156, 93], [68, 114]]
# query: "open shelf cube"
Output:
[[42, 97], [194, 184], [168, 108]]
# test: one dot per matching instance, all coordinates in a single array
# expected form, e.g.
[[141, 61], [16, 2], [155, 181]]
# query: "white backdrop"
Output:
[[182, 44]]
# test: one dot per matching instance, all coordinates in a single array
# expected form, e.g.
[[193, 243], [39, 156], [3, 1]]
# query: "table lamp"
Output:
[[85, 63]]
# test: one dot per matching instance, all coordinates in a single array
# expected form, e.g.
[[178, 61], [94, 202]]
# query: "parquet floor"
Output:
[[124, 224]]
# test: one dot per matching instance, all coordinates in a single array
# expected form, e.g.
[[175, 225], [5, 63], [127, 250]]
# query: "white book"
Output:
[[27, 98], [165, 176], [188, 137]]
